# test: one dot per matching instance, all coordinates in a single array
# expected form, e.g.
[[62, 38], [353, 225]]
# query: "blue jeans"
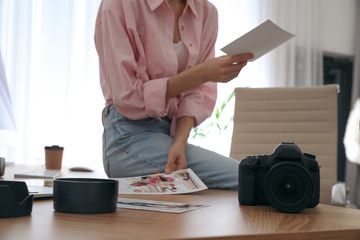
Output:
[[139, 147]]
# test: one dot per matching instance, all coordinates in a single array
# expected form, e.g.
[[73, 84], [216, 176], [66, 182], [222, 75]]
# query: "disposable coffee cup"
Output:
[[53, 157]]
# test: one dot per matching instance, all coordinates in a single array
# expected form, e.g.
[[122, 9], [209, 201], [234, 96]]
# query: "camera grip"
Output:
[[246, 185]]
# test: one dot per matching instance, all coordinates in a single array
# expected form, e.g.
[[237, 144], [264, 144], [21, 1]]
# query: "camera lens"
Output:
[[289, 187]]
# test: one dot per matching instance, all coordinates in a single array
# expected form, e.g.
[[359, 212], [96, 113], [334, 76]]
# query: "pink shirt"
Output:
[[134, 40]]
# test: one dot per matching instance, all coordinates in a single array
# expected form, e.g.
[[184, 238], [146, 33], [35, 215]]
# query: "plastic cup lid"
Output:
[[54, 147]]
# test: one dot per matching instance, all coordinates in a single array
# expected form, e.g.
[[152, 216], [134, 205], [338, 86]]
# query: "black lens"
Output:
[[288, 187]]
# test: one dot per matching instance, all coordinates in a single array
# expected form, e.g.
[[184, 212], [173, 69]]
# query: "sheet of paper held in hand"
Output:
[[181, 181], [258, 41]]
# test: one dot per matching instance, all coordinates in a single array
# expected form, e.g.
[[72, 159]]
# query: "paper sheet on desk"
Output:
[[157, 206], [258, 41], [178, 182]]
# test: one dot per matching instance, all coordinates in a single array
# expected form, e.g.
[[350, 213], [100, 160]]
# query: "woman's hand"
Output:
[[176, 158], [221, 69]]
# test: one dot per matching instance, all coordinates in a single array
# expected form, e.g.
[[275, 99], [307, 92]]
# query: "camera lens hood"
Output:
[[289, 187], [85, 195]]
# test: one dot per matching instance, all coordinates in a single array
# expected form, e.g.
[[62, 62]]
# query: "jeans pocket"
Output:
[[127, 128]]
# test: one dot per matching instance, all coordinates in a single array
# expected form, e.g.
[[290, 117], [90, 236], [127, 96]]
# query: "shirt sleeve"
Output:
[[123, 66], [199, 102]]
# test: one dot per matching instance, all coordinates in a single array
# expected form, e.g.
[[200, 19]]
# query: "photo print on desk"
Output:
[[181, 181]]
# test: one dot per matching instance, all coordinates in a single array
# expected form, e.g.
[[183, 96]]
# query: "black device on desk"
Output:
[[15, 200], [286, 179]]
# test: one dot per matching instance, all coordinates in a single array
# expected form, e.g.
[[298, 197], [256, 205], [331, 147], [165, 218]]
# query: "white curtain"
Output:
[[356, 78], [7, 121], [299, 62], [52, 70], [295, 63]]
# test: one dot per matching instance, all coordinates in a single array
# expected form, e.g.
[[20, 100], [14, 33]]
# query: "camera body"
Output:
[[287, 179]]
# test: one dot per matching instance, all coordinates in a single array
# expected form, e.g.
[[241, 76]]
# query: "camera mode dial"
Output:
[[310, 156], [251, 160]]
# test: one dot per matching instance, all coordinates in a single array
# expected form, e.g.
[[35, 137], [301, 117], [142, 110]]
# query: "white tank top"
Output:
[[182, 55]]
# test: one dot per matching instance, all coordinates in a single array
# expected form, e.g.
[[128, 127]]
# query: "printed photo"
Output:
[[182, 181]]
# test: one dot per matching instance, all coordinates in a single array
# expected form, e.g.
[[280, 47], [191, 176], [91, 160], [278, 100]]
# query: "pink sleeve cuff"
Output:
[[154, 97], [198, 103]]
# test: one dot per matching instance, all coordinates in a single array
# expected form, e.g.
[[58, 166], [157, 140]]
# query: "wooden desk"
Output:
[[223, 219]]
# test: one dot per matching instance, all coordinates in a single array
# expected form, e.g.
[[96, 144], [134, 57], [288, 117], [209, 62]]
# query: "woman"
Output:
[[158, 76]]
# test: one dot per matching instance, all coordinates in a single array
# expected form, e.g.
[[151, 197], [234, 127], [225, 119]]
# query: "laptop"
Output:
[[40, 191], [40, 188]]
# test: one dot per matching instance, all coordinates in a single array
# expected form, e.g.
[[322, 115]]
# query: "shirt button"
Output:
[[190, 45], [182, 28]]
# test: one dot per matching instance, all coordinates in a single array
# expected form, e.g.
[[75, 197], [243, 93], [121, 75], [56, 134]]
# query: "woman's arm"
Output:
[[222, 69], [176, 157]]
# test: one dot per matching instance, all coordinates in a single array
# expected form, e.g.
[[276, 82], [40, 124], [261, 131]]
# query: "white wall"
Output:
[[337, 20]]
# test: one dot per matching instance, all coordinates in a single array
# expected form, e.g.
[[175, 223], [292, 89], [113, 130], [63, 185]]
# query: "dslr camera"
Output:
[[286, 179]]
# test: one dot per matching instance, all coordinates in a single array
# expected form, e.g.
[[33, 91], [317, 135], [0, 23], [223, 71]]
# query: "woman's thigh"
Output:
[[135, 148], [215, 170]]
